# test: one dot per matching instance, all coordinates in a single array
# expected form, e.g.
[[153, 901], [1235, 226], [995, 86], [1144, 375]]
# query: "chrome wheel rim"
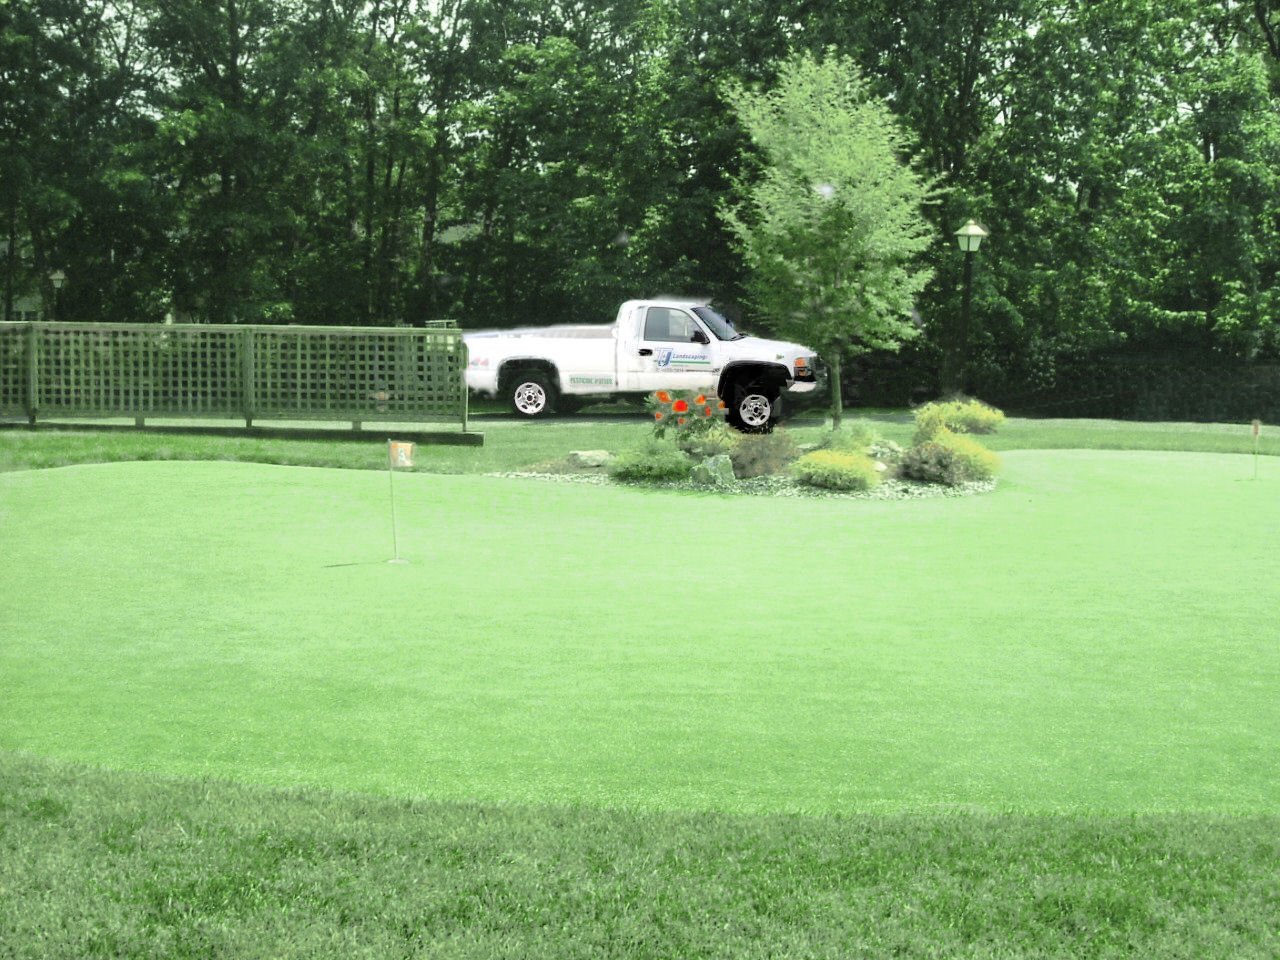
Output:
[[755, 410], [530, 398]]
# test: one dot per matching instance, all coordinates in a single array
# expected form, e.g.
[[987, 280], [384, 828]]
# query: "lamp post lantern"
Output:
[[969, 237], [57, 278]]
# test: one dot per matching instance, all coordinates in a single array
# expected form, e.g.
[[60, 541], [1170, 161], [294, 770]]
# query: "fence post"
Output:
[[466, 362], [31, 373], [247, 392]]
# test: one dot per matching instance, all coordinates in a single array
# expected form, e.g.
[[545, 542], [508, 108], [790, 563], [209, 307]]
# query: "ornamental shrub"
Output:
[[656, 460], [837, 470], [763, 454], [959, 416], [707, 439], [949, 458], [974, 416], [684, 412], [931, 419]]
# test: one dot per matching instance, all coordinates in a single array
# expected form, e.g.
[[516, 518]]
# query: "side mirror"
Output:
[[699, 337]]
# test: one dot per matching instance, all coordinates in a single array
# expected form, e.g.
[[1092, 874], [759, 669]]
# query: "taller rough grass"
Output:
[[94, 863]]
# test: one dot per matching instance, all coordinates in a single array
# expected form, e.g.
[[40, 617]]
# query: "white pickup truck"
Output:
[[653, 345]]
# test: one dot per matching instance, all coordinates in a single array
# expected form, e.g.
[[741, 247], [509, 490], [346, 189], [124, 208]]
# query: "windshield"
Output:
[[721, 327]]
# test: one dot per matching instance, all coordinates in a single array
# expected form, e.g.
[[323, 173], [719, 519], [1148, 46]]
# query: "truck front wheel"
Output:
[[532, 394], [754, 408]]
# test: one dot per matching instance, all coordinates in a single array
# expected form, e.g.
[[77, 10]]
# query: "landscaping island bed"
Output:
[[775, 487]]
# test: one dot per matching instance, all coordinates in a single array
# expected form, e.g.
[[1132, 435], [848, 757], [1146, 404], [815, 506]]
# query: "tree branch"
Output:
[[1262, 12]]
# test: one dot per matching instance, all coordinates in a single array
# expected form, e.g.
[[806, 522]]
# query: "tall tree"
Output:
[[833, 229]]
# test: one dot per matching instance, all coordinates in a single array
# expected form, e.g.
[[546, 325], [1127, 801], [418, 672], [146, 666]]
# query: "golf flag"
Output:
[[401, 453]]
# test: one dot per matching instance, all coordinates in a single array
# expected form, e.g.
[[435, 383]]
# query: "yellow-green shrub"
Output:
[[837, 470], [949, 458], [958, 416]]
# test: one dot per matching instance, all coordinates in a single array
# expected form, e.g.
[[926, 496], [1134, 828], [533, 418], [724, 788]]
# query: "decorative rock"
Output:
[[588, 458], [714, 471]]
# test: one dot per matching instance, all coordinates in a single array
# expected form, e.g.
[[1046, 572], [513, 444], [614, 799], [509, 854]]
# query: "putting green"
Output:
[[1098, 634]]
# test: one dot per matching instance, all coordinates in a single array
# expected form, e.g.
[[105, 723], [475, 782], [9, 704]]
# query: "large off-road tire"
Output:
[[753, 408], [532, 394]]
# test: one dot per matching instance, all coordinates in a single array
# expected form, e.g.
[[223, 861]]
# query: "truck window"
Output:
[[664, 324], [721, 327]]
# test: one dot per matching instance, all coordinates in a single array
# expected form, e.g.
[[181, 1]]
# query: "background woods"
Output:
[[536, 161]]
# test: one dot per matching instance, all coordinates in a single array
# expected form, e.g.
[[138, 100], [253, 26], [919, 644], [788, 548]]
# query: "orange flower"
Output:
[[720, 405], [658, 415], [700, 398], [680, 420], [706, 411], [664, 397], [681, 406]]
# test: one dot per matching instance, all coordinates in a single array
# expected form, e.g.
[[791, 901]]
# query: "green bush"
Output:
[[853, 437], [763, 454], [949, 458], [708, 441], [837, 470], [958, 416], [657, 460]]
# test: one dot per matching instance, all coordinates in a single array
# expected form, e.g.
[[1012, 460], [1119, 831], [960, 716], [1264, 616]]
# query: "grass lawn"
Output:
[[1096, 635], [514, 445], [602, 721]]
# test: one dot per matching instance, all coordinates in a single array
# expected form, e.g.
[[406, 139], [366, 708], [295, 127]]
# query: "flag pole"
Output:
[[391, 479], [1257, 435]]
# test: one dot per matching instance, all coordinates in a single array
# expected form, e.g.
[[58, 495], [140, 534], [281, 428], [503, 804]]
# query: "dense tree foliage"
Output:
[[504, 161], [833, 227]]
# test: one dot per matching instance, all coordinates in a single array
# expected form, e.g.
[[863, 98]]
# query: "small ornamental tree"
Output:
[[832, 229]]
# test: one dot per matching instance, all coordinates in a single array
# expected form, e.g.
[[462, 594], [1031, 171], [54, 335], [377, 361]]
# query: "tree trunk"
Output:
[[11, 251], [837, 395]]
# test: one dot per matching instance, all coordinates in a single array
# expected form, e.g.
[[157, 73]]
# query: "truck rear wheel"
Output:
[[754, 408], [532, 394]]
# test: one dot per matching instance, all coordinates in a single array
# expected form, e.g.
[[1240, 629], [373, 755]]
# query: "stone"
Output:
[[589, 458], [714, 471]]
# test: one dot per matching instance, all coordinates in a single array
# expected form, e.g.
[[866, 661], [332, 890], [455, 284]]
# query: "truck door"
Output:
[[666, 353]]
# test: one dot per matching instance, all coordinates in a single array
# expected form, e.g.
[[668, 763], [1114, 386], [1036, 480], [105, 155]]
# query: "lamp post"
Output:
[[970, 237], [57, 278], [6, 248]]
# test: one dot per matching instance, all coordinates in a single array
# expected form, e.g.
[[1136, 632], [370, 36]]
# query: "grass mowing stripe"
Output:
[[1091, 637], [96, 863]]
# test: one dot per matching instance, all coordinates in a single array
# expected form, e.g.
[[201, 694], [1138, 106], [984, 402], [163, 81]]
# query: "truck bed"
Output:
[[585, 355]]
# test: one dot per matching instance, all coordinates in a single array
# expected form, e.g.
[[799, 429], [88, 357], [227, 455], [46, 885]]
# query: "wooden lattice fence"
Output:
[[357, 374]]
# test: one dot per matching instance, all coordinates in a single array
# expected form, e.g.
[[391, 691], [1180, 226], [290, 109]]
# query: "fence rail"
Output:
[[50, 370]]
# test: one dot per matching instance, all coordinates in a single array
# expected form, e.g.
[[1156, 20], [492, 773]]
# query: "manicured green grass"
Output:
[[102, 864], [1095, 636], [509, 446], [1019, 434]]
